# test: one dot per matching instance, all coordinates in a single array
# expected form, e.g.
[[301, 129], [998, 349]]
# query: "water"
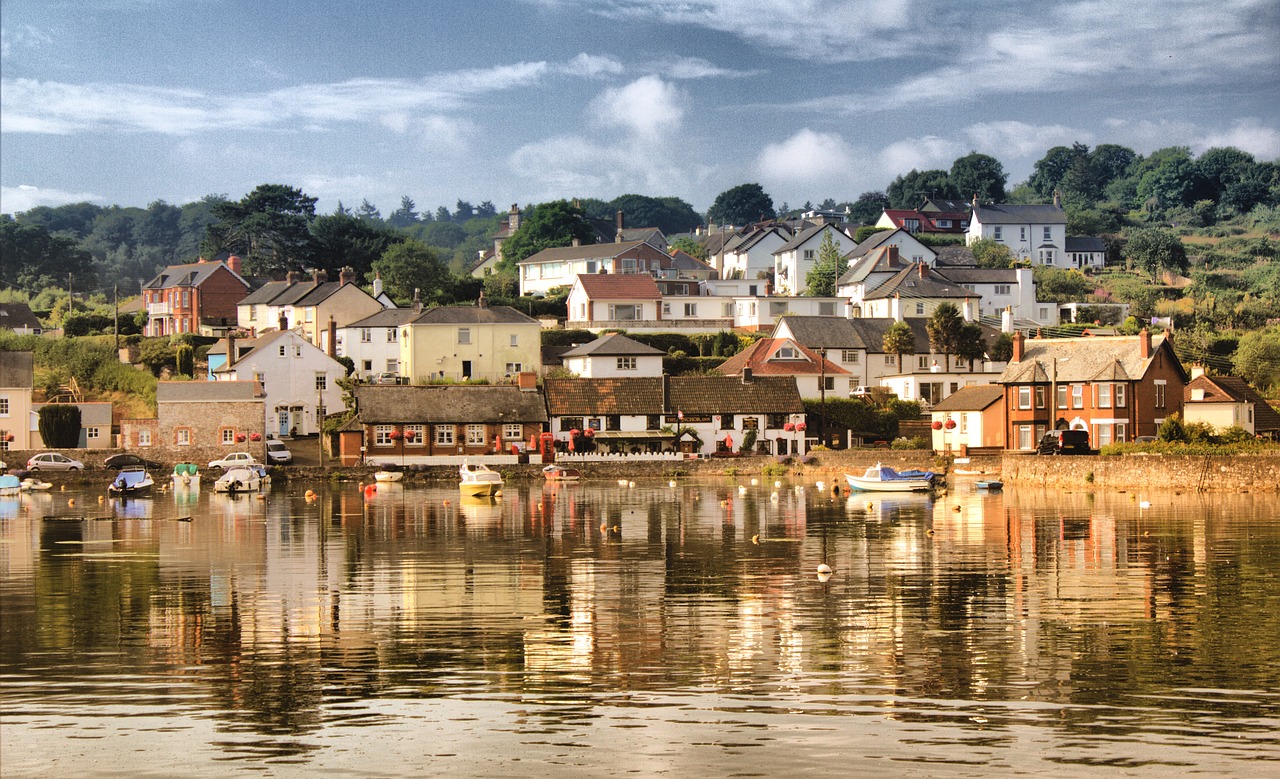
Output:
[[600, 630]]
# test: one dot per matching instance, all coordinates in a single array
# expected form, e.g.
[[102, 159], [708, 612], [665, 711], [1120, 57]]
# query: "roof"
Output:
[[1101, 358], [264, 294], [17, 369], [1085, 243], [974, 398], [611, 345], [881, 259], [207, 391], [192, 274], [763, 360], [590, 251], [324, 291], [802, 237], [979, 275], [937, 204], [954, 256], [1233, 389], [1011, 214], [688, 394], [683, 261], [911, 284], [473, 315], [91, 413], [640, 286], [448, 404], [822, 332], [17, 316], [388, 317]]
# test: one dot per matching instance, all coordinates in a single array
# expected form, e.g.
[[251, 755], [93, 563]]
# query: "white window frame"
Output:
[[849, 356], [1104, 395], [514, 367], [446, 435], [322, 381], [419, 435], [464, 335], [626, 363], [1077, 396], [513, 432], [382, 435], [691, 309], [475, 435], [182, 436], [4, 405], [144, 438], [393, 335], [1024, 398], [228, 435], [1160, 387]]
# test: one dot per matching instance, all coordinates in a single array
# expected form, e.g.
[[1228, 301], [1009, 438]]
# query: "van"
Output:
[[1065, 442]]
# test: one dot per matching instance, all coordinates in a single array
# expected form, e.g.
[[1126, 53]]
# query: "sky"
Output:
[[124, 102]]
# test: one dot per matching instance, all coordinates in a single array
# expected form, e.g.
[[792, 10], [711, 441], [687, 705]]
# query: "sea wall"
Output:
[[1179, 473]]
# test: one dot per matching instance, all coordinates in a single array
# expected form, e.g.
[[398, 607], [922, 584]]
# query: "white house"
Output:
[[794, 259], [613, 355], [996, 289], [373, 343], [1035, 234], [1086, 252], [297, 378], [913, 291], [749, 253], [909, 248], [604, 300]]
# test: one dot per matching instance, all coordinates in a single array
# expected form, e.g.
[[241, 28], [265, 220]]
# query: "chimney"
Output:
[[291, 277], [1006, 320], [891, 253], [975, 200], [968, 310], [895, 308], [1057, 199], [417, 299], [1144, 343], [319, 277], [618, 219], [333, 338], [666, 393], [746, 375], [527, 381], [1197, 371], [231, 350], [284, 321], [513, 218], [234, 263], [346, 275], [377, 285], [1017, 347], [923, 270], [577, 242]]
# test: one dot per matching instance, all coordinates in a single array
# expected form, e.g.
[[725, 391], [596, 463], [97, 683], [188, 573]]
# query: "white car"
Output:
[[53, 461], [278, 453], [233, 460]]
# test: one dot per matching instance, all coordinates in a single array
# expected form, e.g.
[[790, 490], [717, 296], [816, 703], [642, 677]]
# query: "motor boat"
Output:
[[133, 480], [186, 475], [388, 477], [561, 473], [32, 484], [479, 481], [990, 485], [242, 479], [10, 484], [882, 478]]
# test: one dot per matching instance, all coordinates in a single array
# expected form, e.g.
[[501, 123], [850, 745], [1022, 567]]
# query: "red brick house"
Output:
[[1115, 387], [181, 298]]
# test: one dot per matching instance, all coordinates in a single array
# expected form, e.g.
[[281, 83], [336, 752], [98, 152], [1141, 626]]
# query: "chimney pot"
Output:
[[1018, 345], [346, 275], [1144, 343]]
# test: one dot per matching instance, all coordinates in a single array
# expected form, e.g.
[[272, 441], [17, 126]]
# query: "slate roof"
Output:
[[619, 286], [909, 284], [936, 204], [882, 259], [473, 315], [448, 404], [1079, 360], [264, 294], [802, 237], [761, 358], [591, 251], [979, 275], [207, 391], [191, 274], [611, 345], [690, 394], [683, 261], [1085, 243], [974, 398], [1012, 214], [16, 316], [954, 256], [822, 332], [1233, 389], [321, 293], [388, 317], [16, 369]]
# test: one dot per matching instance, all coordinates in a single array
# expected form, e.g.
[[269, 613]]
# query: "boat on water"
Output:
[[882, 478], [133, 480], [990, 485], [10, 484], [235, 480], [388, 477], [479, 481], [561, 473], [32, 484], [186, 475]]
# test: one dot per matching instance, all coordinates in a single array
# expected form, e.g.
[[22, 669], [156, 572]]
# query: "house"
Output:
[[200, 421], [1228, 401], [913, 291], [605, 300], [693, 414], [19, 318], [17, 419], [309, 305], [929, 218], [412, 424], [794, 259], [611, 355], [997, 289], [299, 381], [867, 272], [909, 249], [95, 426], [1036, 233], [373, 343], [557, 267], [813, 373], [748, 253], [466, 343], [1086, 252], [970, 418], [199, 297], [1117, 388]]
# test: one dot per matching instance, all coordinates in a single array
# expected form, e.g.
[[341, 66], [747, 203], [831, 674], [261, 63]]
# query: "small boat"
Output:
[[186, 475], [10, 484], [133, 480], [561, 473], [242, 479], [32, 484], [991, 485], [478, 481], [882, 478], [388, 476]]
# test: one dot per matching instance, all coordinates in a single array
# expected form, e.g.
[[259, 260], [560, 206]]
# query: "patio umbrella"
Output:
[[728, 442]]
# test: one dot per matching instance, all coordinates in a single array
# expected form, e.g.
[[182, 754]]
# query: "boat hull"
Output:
[[897, 485], [388, 476], [480, 489]]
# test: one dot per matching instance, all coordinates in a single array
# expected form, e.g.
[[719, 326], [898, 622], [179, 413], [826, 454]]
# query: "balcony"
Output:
[[159, 309]]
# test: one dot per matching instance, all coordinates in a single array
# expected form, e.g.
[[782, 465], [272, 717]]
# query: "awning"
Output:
[[632, 435]]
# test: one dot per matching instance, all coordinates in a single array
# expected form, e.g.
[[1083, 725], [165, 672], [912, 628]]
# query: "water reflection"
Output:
[[1103, 629]]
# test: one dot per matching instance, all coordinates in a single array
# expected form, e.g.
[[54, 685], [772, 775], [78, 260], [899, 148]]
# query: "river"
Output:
[[652, 629]]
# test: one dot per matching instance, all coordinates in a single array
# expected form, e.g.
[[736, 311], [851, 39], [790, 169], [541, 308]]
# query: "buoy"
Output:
[[824, 568], [755, 540], [929, 532], [671, 483], [446, 503], [622, 482], [102, 498], [773, 497], [742, 490], [777, 483], [1146, 504], [955, 508], [71, 502], [754, 482], [604, 528], [63, 488]]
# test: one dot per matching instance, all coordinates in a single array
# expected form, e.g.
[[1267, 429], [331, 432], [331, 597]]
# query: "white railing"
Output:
[[597, 457], [159, 309], [446, 459]]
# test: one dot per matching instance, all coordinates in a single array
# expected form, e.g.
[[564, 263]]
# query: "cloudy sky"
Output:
[[128, 101]]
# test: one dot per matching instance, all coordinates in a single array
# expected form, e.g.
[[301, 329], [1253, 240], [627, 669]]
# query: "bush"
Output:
[[1172, 429], [909, 443], [60, 425]]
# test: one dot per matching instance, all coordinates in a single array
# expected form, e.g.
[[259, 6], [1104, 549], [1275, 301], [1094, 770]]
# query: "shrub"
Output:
[[60, 425], [909, 443], [1172, 429]]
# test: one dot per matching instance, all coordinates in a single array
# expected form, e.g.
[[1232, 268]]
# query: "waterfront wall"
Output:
[[1183, 473]]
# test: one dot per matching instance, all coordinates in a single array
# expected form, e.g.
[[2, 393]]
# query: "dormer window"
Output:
[[787, 353]]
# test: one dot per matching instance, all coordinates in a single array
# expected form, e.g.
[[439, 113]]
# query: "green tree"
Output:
[[908, 191], [981, 175], [342, 240], [690, 247], [1060, 285], [412, 265], [269, 227], [944, 328], [1002, 348], [743, 204], [1155, 251], [827, 269], [990, 253], [1048, 171], [868, 207], [1257, 358], [185, 360], [971, 345], [404, 216], [32, 259], [899, 340], [59, 425], [552, 224]]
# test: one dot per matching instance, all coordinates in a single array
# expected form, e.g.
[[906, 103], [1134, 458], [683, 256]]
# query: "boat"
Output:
[[241, 479], [561, 473], [388, 476], [186, 475], [32, 484], [133, 480], [478, 481], [10, 484], [991, 485], [882, 478]]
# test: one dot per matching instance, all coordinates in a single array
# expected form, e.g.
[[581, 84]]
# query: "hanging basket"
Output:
[[788, 427], [589, 432], [409, 435], [240, 438], [950, 424], [396, 435], [937, 424], [801, 426], [255, 436]]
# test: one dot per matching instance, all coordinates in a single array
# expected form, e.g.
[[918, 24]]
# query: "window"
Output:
[[849, 356], [1062, 396], [787, 353], [922, 362], [393, 365], [911, 225], [1024, 397], [1120, 393], [4, 405], [91, 433], [1040, 392], [629, 312], [1160, 390], [666, 308], [726, 421], [591, 266], [514, 341], [512, 368], [829, 383], [944, 223], [419, 435], [726, 310], [309, 314], [570, 423], [282, 351], [808, 254], [826, 308], [613, 422], [475, 435], [628, 265], [366, 365], [626, 363], [964, 423], [998, 234], [1048, 233], [183, 437], [919, 309], [1002, 289], [1022, 234], [382, 435], [890, 359], [1024, 436], [144, 438], [253, 313], [391, 335], [777, 308], [260, 377], [322, 381], [1122, 430], [227, 435], [464, 335], [445, 435], [653, 422], [690, 309], [186, 298], [1104, 396], [1077, 396], [512, 432]]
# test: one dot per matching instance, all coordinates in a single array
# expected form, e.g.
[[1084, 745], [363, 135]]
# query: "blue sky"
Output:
[[128, 101]]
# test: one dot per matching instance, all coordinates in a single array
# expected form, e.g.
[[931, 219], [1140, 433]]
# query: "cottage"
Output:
[[611, 355], [970, 418], [1225, 402], [299, 380], [200, 421], [17, 379]]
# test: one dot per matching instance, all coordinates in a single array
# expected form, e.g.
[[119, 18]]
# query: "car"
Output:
[[1064, 442], [4, 466], [1145, 439], [860, 392], [233, 460], [385, 378], [53, 461], [118, 461], [278, 453]]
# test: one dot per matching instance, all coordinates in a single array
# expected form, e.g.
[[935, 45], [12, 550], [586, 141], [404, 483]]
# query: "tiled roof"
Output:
[[388, 317], [882, 259], [619, 286], [909, 284], [1085, 243], [690, 394], [207, 391], [265, 294], [763, 360], [975, 398], [610, 345], [191, 274], [954, 256], [319, 294], [802, 237], [1233, 389], [822, 332], [475, 315], [1013, 214], [591, 251], [449, 404], [978, 275], [1083, 359]]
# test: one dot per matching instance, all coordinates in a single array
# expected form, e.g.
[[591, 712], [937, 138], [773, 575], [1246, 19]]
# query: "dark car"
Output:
[[117, 461], [1065, 442]]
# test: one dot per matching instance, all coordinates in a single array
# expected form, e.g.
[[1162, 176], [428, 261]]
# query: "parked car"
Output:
[[385, 378], [278, 453], [118, 461], [1065, 442], [53, 461], [860, 392], [1146, 439], [233, 460]]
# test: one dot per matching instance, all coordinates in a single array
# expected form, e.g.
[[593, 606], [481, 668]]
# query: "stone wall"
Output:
[[1238, 473]]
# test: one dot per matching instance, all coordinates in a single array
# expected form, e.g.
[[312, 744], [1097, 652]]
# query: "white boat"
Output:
[[882, 478], [478, 481], [133, 480], [561, 473], [388, 476], [186, 475], [32, 484], [238, 480], [10, 484]]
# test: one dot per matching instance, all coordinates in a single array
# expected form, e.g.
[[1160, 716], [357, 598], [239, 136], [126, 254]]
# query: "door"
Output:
[[284, 423], [466, 369]]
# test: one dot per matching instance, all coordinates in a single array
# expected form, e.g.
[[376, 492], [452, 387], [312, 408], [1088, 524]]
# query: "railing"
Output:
[[596, 457], [159, 309]]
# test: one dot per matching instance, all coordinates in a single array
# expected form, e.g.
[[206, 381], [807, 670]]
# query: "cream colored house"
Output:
[[458, 343], [17, 378], [1228, 401]]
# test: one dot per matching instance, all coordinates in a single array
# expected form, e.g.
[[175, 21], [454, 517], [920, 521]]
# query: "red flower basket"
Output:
[[937, 424], [574, 433], [589, 432], [788, 427], [800, 426], [9, 438], [255, 436], [409, 435], [950, 425], [240, 438], [396, 435]]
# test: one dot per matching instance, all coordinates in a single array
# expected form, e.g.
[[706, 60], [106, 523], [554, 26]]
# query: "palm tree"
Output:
[[944, 331], [899, 340]]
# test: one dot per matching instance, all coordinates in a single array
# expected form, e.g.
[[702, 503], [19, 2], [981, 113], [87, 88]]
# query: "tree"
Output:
[[59, 425], [269, 227], [944, 328], [899, 340], [32, 259], [868, 207], [743, 204], [690, 247], [1111, 162], [412, 265], [1047, 173], [908, 191], [1257, 358], [990, 253], [1155, 251], [463, 212], [827, 269], [552, 224], [368, 211], [1002, 348], [184, 360], [971, 345], [671, 215], [486, 210], [404, 216], [1060, 285], [160, 227], [981, 175], [340, 241]]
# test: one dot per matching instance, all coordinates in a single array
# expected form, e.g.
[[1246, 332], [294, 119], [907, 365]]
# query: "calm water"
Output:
[[599, 629]]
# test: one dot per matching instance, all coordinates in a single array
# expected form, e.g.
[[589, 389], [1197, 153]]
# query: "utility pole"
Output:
[[115, 296], [822, 394], [320, 426]]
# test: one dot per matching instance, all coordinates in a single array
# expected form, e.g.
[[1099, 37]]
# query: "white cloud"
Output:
[[807, 157], [24, 197], [927, 153], [591, 66], [436, 132], [1019, 139], [572, 164], [688, 68], [1248, 134], [22, 36], [647, 106]]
